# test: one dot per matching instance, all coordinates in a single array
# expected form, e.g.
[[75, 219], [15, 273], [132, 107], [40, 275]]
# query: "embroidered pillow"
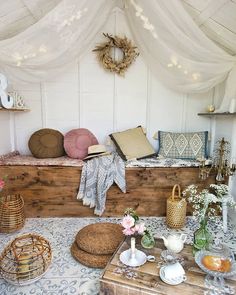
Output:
[[189, 145], [46, 143], [132, 144]]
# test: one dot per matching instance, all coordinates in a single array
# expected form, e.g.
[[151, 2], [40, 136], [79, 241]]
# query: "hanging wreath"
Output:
[[104, 52]]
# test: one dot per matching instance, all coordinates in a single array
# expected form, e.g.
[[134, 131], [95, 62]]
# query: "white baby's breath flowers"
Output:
[[208, 202]]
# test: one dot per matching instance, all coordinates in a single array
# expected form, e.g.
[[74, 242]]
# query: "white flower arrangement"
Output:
[[208, 202]]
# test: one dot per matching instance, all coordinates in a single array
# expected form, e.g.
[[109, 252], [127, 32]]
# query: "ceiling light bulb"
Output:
[[174, 60], [195, 76], [42, 49], [155, 35]]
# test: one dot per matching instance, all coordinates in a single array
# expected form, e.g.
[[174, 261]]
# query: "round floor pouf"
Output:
[[87, 259], [100, 238], [25, 259], [12, 217]]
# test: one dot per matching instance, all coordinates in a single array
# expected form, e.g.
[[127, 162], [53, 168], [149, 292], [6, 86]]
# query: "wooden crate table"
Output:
[[118, 279]]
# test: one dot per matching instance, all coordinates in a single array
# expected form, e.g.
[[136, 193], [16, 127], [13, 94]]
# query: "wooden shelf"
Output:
[[14, 110], [217, 114]]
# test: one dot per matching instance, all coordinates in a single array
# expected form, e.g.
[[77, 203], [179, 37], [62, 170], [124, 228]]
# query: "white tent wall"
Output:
[[5, 141], [87, 96]]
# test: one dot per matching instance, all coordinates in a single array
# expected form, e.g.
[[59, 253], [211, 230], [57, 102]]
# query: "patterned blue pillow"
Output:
[[189, 145]]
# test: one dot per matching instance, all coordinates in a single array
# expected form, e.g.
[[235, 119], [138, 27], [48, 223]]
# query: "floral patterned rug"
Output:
[[66, 276]]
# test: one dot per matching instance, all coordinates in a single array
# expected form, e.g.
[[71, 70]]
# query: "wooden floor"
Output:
[[51, 191]]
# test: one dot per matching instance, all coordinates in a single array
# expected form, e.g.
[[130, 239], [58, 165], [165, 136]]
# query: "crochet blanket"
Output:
[[98, 174]]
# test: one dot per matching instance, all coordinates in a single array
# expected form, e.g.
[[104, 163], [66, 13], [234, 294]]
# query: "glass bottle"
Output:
[[147, 241], [202, 237]]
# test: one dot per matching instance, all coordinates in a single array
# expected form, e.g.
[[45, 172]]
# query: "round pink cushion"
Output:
[[77, 141]]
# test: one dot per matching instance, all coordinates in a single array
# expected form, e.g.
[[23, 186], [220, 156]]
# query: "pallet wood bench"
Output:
[[50, 191]]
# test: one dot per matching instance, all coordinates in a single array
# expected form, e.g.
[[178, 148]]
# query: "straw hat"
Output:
[[96, 150]]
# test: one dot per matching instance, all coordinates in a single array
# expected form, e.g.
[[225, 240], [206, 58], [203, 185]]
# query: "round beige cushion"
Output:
[[90, 260], [100, 238], [46, 143]]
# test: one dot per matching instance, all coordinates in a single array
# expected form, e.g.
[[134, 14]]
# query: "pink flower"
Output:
[[2, 183], [140, 228], [127, 222], [129, 231]]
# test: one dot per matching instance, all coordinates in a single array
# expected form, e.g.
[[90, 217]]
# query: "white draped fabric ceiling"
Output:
[[174, 47]]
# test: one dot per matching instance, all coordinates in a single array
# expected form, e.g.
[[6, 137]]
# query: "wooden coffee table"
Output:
[[118, 279]]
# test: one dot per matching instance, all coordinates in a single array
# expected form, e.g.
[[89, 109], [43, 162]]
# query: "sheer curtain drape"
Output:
[[62, 35], [173, 46], [177, 51]]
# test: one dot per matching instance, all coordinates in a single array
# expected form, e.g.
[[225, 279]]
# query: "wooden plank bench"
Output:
[[50, 191]]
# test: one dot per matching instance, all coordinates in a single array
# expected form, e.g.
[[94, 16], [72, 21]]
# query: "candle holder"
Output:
[[26, 259], [204, 169], [221, 160], [133, 257]]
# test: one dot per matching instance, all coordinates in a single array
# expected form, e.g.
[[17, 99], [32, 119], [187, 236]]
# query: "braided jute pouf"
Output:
[[100, 238], [90, 260]]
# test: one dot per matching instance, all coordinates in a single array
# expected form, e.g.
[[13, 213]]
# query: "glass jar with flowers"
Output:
[[134, 227], [206, 204]]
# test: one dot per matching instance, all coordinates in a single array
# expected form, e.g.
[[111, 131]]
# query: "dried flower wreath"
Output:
[[104, 54]]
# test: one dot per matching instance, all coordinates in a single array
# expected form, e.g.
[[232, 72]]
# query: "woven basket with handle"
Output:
[[176, 209]]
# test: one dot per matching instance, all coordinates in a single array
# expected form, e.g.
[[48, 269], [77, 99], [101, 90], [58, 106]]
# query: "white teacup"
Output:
[[174, 271]]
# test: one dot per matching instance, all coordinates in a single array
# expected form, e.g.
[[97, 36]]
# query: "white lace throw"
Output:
[[98, 174]]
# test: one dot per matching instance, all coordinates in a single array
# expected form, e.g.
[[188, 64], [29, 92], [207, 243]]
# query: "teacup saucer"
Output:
[[175, 281]]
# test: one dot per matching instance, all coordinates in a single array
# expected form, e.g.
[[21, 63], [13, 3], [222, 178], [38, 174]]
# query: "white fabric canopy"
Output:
[[177, 51], [66, 32], [173, 46]]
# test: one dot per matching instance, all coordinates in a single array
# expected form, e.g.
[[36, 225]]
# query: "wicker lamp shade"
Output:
[[12, 215], [25, 259]]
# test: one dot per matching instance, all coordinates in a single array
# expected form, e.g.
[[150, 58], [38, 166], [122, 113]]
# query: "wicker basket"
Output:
[[12, 215], [25, 259], [176, 209]]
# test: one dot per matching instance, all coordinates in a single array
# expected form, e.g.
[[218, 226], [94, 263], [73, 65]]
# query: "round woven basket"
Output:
[[176, 209], [12, 215], [25, 259]]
